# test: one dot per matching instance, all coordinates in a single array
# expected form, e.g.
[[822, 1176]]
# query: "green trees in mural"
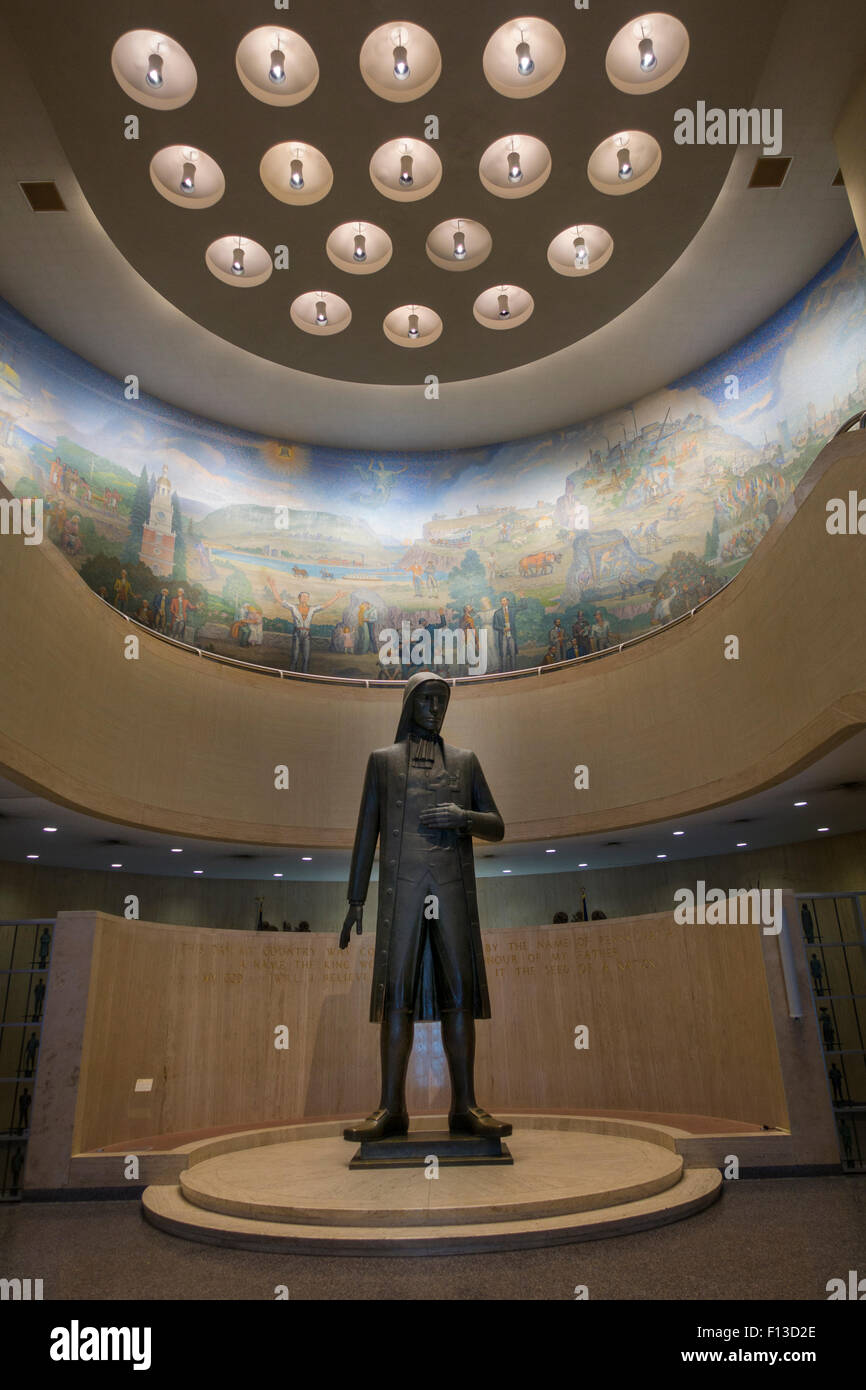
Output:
[[237, 588], [711, 549], [138, 518], [179, 567], [467, 582]]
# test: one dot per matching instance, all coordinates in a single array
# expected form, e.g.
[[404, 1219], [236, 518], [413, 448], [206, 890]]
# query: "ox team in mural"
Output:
[[533, 552]]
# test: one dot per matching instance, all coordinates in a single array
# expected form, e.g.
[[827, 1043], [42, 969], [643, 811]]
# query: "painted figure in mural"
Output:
[[122, 592], [159, 613], [423, 800], [71, 542], [600, 632], [581, 635], [416, 571], [556, 638], [506, 635], [180, 609], [430, 576], [302, 614]]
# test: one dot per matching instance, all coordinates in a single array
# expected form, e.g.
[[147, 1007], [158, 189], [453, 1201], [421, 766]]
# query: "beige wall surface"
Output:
[[181, 744], [831, 863], [679, 1020], [848, 137]]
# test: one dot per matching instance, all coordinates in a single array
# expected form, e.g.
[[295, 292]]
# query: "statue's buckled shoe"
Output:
[[477, 1121], [378, 1126]]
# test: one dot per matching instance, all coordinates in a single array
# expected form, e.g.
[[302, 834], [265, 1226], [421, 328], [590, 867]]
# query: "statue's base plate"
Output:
[[413, 1150]]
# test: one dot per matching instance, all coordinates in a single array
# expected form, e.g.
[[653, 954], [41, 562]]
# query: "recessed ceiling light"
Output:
[[822, 828], [414, 329], [33, 856], [277, 69], [321, 312], [623, 159], [401, 62], [50, 829], [117, 866], [550, 851], [407, 178], [525, 65], [661, 856], [155, 76], [801, 803], [296, 172], [506, 871], [742, 844], [277, 875], [648, 59], [237, 266], [582, 866], [177, 851], [679, 832], [581, 254], [360, 248], [306, 858], [459, 245], [198, 871], [504, 309], [515, 173], [187, 179]]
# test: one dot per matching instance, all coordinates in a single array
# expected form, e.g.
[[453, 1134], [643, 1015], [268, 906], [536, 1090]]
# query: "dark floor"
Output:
[[779, 1238]]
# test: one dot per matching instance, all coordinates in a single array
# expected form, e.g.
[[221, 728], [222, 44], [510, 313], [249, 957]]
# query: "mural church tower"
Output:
[[157, 538]]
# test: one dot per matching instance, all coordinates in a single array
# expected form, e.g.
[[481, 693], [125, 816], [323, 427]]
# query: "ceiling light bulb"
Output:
[[623, 157], [401, 63], [321, 311], [525, 65], [581, 255], [187, 181], [360, 252], [515, 173], [504, 310], [277, 70], [238, 261], [406, 176], [154, 76], [459, 245], [414, 329], [296, 177], [648, 59]]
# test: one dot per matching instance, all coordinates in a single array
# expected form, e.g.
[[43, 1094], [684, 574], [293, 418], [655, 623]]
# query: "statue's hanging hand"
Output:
[[354, 917], [446, 816]]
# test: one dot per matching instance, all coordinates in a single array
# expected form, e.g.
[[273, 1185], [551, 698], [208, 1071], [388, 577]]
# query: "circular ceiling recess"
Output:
[[459, 244], [406, 170], [503, 146], [524, 57], [238, 261], [187, 177], [277, 66], [153, 69], [625, 162], [412, 326], [359, 248], [296, 173], [503, 307], [647, 53], [515, 166], [320, 312], [400, 61], [580, 250]]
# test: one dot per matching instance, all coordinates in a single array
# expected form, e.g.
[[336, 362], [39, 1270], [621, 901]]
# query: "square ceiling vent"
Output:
[[42, 195], [770, 171]]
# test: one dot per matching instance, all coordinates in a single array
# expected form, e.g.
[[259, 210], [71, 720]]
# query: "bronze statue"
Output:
[[424, 800]]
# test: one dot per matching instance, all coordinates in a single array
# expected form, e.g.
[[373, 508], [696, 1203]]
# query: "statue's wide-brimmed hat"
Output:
[[412, 685]]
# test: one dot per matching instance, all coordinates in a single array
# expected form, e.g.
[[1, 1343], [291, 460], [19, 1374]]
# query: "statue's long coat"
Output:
[[381, 818]]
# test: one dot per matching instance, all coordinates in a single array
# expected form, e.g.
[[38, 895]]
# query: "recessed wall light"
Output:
[[33, 856], [506, 871], [306, 858], [822, 828], [661, 856], [50, 829], [550, 851], [198, 871], [679, 832], [801, 803], [277, 875], [117, 866], [742, 844], [177, 851], [583, 866]]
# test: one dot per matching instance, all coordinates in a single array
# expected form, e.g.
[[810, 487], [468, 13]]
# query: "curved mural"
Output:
[[346, 563]]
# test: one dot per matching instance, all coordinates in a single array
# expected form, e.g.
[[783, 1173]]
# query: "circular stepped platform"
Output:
[[569, 1182]]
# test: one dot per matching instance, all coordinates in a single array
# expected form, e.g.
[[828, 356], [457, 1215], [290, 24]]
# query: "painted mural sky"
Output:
[[612, 525]]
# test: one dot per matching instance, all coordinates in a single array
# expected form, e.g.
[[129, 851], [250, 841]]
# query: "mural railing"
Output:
[[522, 673], [858, 420]]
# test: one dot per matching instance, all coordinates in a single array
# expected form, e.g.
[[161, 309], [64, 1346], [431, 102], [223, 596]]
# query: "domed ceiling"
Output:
[[547, 190]]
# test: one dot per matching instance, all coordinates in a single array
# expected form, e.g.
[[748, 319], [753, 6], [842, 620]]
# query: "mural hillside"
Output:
[[303, 557]]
